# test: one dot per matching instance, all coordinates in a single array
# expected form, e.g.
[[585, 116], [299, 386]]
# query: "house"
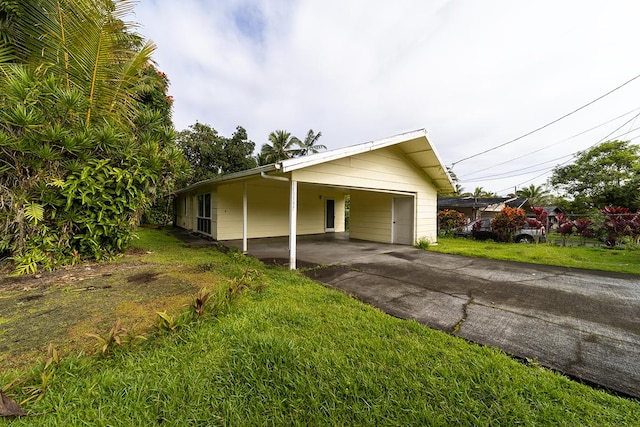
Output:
[[475, 208], [392, 186], [552, 213]]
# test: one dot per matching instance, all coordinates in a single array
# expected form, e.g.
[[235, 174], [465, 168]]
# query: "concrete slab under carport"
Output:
[[312, 250], [583, 323]]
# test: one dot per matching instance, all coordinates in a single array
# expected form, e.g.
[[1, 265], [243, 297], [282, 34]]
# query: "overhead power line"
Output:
[[528, 154], [548, 124], [521, 171], [547, 170]]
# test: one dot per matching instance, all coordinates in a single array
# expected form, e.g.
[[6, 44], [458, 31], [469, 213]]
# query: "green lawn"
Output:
[[297, 353], [594, 258]]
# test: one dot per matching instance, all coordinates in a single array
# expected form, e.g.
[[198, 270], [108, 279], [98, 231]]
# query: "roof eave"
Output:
[[229, 177]]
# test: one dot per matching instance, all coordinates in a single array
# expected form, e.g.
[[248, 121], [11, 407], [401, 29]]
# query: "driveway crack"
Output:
[[465, 313]]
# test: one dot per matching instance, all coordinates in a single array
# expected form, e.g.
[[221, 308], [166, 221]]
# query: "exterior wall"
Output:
[[229, 211], [183, 214], [372, 178], [386, 169], [214, 213], [370, 216], [312, 201], [268, 209], [187, 210]]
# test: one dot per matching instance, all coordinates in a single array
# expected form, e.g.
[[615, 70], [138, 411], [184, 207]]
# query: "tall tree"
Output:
[[605, 175], [310, 144], [238, 152], [479, 192], [537, 194], [82, 156], [281, 147], [211, 154]]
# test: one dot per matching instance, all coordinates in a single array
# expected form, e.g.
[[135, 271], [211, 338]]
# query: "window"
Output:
[[204, 213]]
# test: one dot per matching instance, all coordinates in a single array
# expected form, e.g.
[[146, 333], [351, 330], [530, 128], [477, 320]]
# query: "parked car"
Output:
[[483, 231]]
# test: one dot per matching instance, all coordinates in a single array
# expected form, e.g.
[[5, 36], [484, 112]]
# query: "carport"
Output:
[[391, 187]]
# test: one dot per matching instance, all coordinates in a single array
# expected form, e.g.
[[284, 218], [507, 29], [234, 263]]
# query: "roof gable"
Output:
[[414, 145]]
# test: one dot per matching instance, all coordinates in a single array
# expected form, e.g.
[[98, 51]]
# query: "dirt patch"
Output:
[[144, 277], [61, 307]]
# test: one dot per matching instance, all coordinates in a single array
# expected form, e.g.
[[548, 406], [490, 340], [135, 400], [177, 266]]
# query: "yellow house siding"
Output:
[[214, 213], [268, 209], [370, 216], [229, 211], [387, 170], [383, 169], [312, 201], [372, 179], [186, 211]]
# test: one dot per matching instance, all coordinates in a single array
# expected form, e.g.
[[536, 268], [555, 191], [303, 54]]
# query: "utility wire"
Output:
[[508, 173], [563, 163], [548, 124], [551, 145]]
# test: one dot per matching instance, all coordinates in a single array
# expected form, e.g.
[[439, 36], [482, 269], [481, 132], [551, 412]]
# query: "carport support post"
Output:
[[244, 219], [293, 219]]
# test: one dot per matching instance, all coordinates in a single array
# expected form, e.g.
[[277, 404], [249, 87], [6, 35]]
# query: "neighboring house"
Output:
[[475, 208], [392, 184], [552, 213]]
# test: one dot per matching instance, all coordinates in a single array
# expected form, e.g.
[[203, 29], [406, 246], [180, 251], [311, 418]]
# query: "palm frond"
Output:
[[85, 44]]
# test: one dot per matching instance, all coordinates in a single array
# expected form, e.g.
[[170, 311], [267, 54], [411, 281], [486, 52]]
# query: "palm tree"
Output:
[[86, 45], [479, 192], [280, 147], [310, 144], [71, 108], [537, 195]]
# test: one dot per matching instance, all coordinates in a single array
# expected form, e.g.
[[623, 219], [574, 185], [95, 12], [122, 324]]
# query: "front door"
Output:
[[330, 215], [403, 221]]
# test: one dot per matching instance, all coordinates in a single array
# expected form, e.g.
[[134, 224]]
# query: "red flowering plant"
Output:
[[539, 222], [584, 229], [565, 227], [507, 222], [619, 222]]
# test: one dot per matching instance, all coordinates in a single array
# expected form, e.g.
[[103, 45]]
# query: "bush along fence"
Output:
[[611, 226]]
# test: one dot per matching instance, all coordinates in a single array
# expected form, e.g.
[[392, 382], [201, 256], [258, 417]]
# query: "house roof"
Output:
[[414, 146], [552, 210]]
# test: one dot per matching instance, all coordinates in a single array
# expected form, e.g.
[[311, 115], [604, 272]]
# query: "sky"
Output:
[[474, 74]]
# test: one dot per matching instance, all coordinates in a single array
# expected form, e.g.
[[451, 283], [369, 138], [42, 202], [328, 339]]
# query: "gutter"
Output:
[[277, 178]]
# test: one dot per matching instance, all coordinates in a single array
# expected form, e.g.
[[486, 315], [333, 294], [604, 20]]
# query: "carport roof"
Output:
[[414, 146]]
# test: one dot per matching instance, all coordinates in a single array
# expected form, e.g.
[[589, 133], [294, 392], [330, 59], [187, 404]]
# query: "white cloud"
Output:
[[474, 74]]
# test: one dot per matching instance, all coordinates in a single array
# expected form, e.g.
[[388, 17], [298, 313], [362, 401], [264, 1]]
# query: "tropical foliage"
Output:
[[310, 144], [537, 194], [282, 145], [620, 222], [479, 192], [83, 151], [449, 220], [211, 154], [605, 175], [507, 222]]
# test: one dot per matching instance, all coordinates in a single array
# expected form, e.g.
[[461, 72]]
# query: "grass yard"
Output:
[[593, 258], [289, 351]]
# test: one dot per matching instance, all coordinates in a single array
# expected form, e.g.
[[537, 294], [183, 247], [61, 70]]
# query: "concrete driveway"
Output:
[[583, 323]]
